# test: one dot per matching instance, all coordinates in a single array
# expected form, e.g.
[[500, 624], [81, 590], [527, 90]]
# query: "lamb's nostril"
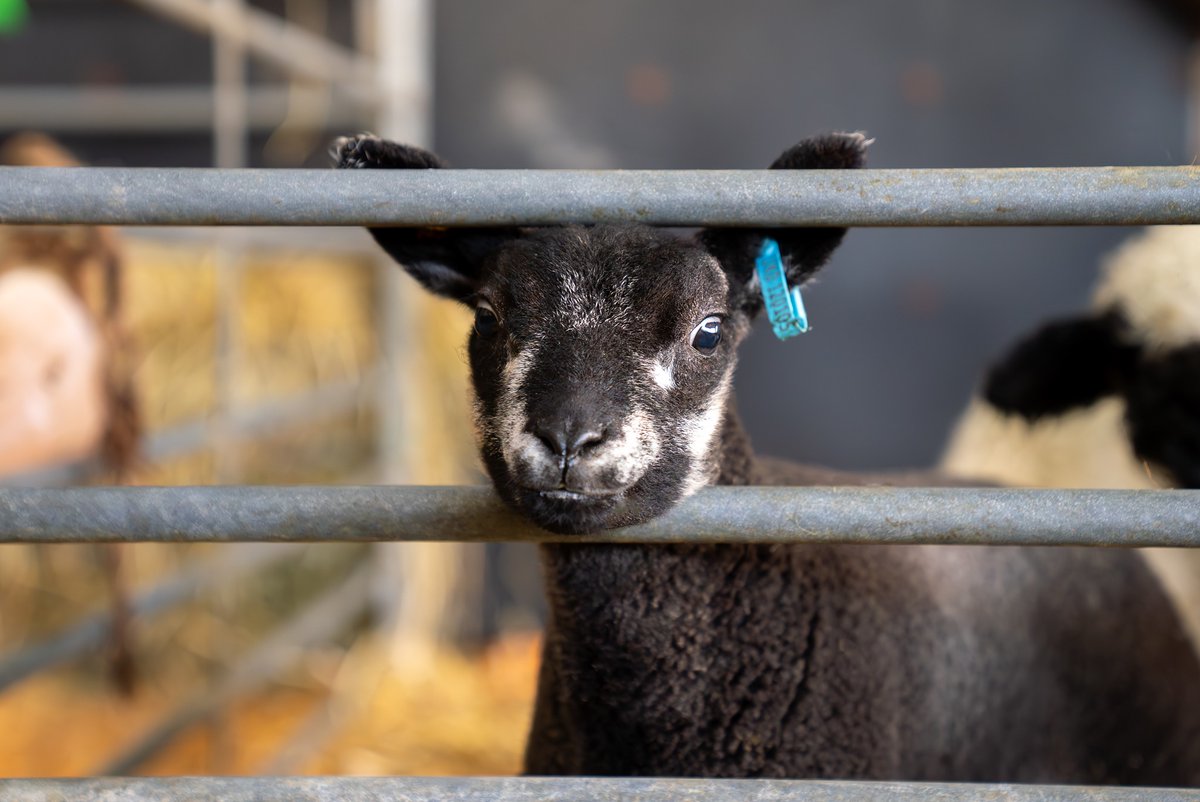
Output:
[[554, 438], [586, 439], [568, 440]]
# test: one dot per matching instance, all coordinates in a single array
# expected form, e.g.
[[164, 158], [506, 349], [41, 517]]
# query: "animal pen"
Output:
[[1083, 196]]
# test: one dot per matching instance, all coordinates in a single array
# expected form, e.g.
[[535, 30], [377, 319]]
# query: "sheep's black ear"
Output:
[[804, 250], [1064, 365], [447, 261]]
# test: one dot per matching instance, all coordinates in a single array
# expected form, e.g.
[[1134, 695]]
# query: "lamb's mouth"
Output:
[[571, 512], [563, 494]]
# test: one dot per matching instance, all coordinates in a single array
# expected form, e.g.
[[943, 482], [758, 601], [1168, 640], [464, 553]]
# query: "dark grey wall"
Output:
[[903, 319]]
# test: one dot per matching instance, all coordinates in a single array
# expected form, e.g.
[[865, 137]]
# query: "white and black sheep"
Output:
[[601, 360], [1109, 398]]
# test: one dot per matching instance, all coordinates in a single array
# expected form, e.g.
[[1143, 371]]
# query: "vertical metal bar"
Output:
[[402, 46], [230, 127], [229, 151], [230, 116]]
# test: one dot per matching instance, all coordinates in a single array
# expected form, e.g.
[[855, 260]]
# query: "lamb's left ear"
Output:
[[804, 250], [448, 261]]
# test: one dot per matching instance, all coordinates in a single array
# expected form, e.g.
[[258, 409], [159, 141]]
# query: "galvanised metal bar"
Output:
[[986, 197], [720, 514], [553, 789], [151, 109], [349, 241], [319, 404]]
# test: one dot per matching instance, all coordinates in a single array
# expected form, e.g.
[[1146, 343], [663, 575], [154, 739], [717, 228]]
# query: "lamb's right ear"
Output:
[[447, 261], [804, 250], [1064, 365]]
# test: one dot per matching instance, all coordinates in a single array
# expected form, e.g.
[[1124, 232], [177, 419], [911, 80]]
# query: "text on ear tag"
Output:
[[785, 306]]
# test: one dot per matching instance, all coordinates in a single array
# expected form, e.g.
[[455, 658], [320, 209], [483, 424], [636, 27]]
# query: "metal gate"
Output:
[[1072, 196]]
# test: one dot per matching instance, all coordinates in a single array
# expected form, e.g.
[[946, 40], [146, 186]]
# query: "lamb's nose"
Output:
[[568, 439]]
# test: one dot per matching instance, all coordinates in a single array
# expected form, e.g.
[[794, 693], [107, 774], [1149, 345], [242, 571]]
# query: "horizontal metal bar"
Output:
[[349, 241], [554, 789], [720, 514], [1000, 197], [153, 109], [318, 404], [90, 634]]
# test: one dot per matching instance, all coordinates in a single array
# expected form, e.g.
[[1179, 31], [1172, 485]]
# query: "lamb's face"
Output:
[[601, 357], [601, 361]]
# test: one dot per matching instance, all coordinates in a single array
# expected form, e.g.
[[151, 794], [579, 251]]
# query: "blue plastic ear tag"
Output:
[[784, 305]]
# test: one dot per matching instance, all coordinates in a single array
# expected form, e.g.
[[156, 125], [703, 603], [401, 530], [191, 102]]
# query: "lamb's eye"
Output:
[[486, 322], [707, 335]]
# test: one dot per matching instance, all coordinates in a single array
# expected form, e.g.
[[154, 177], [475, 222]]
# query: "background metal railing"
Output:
[[379, 78]]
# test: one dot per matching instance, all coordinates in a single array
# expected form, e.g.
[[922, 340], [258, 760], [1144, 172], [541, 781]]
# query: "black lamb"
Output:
[[601, 360]]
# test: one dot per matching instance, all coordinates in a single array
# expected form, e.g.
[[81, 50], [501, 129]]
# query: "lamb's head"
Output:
[[601, 357]]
